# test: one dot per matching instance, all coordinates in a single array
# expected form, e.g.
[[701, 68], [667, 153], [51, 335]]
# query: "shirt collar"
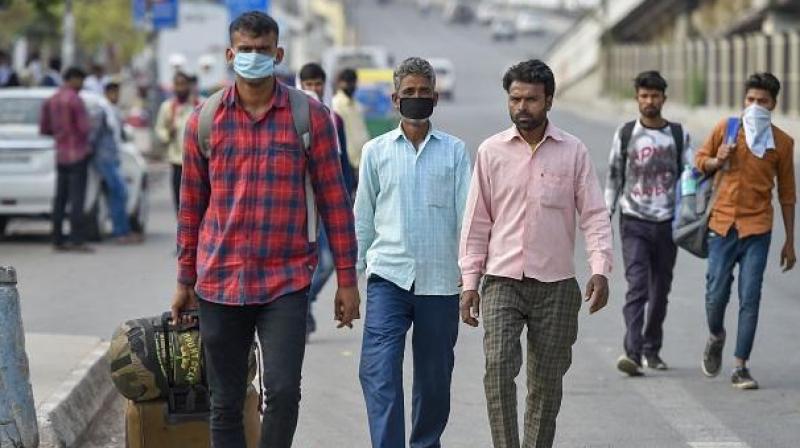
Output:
[[552, 131], [280, 96], [397, 133]]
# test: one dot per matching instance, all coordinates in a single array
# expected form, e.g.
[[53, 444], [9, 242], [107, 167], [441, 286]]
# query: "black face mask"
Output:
[[416, 108], [349, 90]]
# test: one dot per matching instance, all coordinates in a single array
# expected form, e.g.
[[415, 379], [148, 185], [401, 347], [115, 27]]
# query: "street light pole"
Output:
[[68, 42], [153, 96]]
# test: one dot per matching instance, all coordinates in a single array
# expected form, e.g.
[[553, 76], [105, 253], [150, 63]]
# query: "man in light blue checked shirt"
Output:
[[411, 195]]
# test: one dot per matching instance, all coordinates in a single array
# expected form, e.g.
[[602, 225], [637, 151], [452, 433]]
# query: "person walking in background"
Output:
[[345, 104], [312, 79], [646, 161], [52, 76], [96, 81], [519, 236], [246, 254], [171, 122], [741, 219], [106, 142], [8, 77], [409, 206], [65, 118]]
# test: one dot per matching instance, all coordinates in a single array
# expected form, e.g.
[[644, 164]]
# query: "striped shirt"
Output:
[[242, 230], [409, 207]]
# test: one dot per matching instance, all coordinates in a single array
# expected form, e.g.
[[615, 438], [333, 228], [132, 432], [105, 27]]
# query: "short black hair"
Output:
[[254, 23], [312, 70], [650, 79], [74, 72], [347, 75], [182, 75], [55, 63], [111, 86], [764, 81], [532, 71]]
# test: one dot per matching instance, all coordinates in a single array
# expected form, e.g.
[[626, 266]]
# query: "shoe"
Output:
[[654, 362], [60, 247], [81, 249], [629, 366], [712, 356], [741, 379]]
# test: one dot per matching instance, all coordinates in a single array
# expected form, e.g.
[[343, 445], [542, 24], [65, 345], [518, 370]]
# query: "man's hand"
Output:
[[470, 307], [724, 151], [346, 306], [185, 300], [788, 258], [597, 293]]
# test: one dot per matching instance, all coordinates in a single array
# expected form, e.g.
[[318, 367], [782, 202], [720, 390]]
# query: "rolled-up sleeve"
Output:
[[787, 194]]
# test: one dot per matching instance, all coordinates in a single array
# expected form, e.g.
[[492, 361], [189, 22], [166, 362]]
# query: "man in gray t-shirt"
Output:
[[647, 157]]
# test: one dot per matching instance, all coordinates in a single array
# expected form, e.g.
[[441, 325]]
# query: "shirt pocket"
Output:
[[556, 189], [439, 187]]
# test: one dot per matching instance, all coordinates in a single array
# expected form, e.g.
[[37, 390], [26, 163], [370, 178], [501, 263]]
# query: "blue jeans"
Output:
[[228, 333], [724, 252], [390, 312], [117, 194]]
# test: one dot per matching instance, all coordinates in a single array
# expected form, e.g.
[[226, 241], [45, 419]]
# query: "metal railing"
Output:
[[709, 72]]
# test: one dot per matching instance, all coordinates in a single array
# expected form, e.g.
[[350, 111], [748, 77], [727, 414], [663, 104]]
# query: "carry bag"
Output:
[[151, 425], [693, 209], [151, 359]]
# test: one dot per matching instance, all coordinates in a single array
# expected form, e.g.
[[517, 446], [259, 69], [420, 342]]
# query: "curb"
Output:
[[68, 413]]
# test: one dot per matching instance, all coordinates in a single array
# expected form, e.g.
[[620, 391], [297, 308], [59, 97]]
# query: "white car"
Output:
[[503, 29], [528, 23], [445, 77], [28, 167]]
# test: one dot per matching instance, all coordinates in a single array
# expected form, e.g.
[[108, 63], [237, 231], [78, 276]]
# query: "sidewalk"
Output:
[[71, 383]]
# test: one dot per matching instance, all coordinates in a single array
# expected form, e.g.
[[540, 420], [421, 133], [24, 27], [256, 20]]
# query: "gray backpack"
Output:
[[302, 123]]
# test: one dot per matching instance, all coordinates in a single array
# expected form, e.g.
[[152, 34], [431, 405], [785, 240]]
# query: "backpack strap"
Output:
[[624, 140], [206, 121], [301, 115], [677, 135]]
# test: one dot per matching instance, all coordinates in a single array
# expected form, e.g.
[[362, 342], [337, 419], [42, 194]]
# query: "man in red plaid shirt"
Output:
[[244, 252], [65, 118]]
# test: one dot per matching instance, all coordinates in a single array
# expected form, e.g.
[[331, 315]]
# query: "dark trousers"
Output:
[[649, 255], [228, 334], [177, 171], [724, 252], [70, 189], [390, 312]]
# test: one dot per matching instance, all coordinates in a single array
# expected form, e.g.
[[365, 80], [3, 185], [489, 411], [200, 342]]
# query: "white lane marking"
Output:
[[698, 426]]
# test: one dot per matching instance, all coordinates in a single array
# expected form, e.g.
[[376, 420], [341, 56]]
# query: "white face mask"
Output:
[[757, 123]]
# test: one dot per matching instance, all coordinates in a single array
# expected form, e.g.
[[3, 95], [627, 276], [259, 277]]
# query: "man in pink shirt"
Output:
[[519, 235]]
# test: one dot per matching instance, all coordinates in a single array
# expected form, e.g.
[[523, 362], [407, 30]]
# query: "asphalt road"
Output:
[[92, 294]]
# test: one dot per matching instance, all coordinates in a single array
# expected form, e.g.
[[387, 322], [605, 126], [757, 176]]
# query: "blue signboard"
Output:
[[165, 13], [239, 7]]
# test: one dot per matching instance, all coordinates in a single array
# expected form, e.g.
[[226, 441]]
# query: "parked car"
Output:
[[529, 24], [445, 77], [503, 29], [28, 167], [457, 12], [486, 12]]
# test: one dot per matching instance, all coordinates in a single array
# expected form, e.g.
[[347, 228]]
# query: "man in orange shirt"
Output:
[[741, 219]]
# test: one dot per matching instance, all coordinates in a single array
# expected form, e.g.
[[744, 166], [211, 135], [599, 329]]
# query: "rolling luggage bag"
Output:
[[149, 424]]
